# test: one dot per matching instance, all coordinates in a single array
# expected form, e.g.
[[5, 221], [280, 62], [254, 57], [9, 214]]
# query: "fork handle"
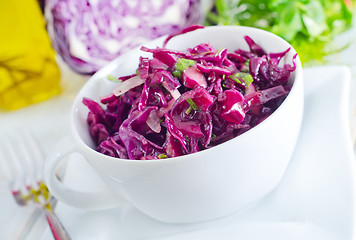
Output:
[[57, 229]]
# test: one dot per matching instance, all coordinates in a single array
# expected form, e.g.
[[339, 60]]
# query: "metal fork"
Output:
[[22, 163]]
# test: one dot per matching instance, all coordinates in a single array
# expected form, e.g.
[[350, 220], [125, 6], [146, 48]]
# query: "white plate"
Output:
[[315, 199]]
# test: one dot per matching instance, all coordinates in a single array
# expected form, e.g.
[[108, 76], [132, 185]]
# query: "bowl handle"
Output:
[[75, 198]]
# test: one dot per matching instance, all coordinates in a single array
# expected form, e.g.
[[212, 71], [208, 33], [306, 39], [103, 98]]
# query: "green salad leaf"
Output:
[[308, 25]]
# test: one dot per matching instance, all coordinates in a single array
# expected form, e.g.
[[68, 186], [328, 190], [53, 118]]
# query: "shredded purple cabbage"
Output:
[[189, 101]]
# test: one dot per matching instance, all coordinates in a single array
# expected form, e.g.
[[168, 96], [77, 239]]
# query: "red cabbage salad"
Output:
[[181, 102]]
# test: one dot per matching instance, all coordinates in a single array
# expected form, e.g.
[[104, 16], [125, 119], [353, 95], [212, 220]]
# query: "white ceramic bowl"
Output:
[[199, 186]]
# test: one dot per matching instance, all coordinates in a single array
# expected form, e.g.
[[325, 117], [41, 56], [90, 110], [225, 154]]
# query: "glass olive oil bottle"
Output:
[[28, 69]]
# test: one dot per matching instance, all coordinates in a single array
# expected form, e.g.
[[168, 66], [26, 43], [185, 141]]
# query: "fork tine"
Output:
[[6, 168], [27, 160], [37, 157], [17, 172], [24, 159]]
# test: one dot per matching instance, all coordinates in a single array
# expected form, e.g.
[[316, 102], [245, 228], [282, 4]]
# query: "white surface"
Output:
[[315, 200]]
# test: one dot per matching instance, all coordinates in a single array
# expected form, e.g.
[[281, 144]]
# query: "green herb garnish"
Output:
[[189, 110], [192, 104], [181, 65], [112, 78], [246, 77], [162, 155], [218, 52]]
